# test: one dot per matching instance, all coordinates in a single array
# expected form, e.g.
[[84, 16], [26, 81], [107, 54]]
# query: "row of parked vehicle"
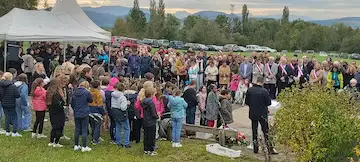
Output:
[[124, 43]]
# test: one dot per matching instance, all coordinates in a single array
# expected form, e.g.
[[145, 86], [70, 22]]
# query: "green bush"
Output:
[[318, 124]]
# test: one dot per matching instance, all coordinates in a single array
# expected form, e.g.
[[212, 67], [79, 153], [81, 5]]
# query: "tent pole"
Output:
[[109, 57], [64, 52], [5, 54]]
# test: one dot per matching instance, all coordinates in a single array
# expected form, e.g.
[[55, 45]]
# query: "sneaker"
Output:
[[154, 153], [41, 136], [113, 143], [178, 145], [77, 148], [173, 144], [127, 146], [16, 135], [45, 120], [95, 143], [147, 152], [2, 131], [85, 149], [101, 139], [34, 135], [8, 133], [51, 144], [65, 137], [57, 145], [28, 130]]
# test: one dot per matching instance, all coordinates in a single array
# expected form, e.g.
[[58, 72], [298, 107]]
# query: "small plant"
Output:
[[318, 124]]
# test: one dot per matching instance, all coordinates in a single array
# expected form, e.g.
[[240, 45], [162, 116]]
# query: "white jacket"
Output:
[[118, 101]]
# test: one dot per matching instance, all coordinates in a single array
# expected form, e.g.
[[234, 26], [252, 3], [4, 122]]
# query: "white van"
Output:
[[254, 48]]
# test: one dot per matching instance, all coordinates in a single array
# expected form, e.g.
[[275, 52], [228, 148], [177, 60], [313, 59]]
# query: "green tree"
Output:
[[245, 19], [8, 5], [285, 15], [137, 21], [160, 24], [121, 28], [171, 28], [150, 31]]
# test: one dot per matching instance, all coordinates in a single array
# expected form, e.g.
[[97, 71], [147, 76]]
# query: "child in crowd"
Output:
[[177, 105], [167, 92], [226, 108], [131, 95], [8, 96], [201, 96], [80, 104], [150, 117], [38, 94], [104, 84], [119, 112], [108, 91], [159, 105], [241, 91], [234, 84], [96, 111], [22, 104], [139, 111], [212, 106], [55, 104]]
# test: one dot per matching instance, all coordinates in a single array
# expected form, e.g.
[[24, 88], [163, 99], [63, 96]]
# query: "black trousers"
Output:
[[149, 138], [56, 133], [265, 130], [30, 80], [272, 90], [138, 123], [39, 122]]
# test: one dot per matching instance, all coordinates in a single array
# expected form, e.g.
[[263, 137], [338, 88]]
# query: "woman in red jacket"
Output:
[[38, 94]]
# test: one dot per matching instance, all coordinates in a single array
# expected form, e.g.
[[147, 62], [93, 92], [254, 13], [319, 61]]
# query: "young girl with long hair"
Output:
[[38, 94], [55, 103]]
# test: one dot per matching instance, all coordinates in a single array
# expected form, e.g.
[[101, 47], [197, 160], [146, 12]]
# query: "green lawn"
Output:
[[26, 149]]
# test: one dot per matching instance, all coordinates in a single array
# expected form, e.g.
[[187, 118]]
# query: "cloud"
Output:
[[317, 9]]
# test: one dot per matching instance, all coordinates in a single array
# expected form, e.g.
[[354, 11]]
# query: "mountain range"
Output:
[[105, 16]]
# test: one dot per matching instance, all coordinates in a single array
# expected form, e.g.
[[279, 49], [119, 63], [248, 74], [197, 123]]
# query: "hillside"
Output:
[[353, 22]]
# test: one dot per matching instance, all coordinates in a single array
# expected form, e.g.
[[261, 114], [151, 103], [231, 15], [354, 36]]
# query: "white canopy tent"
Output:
[[26, 25], [74, 10]]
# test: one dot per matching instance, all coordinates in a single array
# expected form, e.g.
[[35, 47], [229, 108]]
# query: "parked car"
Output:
[[255, 48], [310, 51], [322, 53], [297, 51], [231, 47], [163, 43], [212, 47], [242, 49], [268, 49], [284, 51], [148, 41], [355, 56], [201, 47], [128, 43], [190, 45], [176, 44]]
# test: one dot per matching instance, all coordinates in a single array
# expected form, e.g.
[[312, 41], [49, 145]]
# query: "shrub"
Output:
[[318, 124]]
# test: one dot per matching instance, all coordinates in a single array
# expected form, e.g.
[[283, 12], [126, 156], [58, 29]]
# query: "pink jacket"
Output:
[[234, 83], [141, 110], [159, 105], [39, 99]]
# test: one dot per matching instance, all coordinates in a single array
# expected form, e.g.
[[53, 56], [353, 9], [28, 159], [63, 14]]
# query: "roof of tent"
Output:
[[32, 25], [73, 8]]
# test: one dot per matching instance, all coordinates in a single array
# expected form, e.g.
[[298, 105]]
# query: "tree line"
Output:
[[279, 34]]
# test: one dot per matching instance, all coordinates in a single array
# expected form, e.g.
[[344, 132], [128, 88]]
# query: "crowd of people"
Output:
[[126, 91]]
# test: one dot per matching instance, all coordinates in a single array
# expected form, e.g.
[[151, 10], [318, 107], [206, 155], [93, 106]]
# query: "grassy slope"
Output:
[[25, 149]]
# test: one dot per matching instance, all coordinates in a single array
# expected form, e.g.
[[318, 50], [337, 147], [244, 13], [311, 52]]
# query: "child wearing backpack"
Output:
[[177, 105], [108, 91], [96, 111], [38, 94], [80, 104]]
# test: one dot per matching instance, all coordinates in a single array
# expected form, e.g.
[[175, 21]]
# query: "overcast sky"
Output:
[[316, 9]]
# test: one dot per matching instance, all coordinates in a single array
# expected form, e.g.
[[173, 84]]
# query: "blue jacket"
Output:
[[104, 57], [146, 64], [23, 91], [80, 102], [177, 105], [133, 61]]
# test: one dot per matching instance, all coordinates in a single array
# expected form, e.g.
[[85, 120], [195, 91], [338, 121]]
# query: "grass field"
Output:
[[26, 149]]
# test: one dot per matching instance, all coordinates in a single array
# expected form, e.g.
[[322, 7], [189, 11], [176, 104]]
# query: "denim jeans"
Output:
[[1, 114], [81, 127], [10, 117], [190, 115], [122, 125], [176, 129], [95, 124], [24, 117]]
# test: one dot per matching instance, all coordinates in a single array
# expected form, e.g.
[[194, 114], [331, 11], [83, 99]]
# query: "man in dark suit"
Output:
[[258, 100]]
